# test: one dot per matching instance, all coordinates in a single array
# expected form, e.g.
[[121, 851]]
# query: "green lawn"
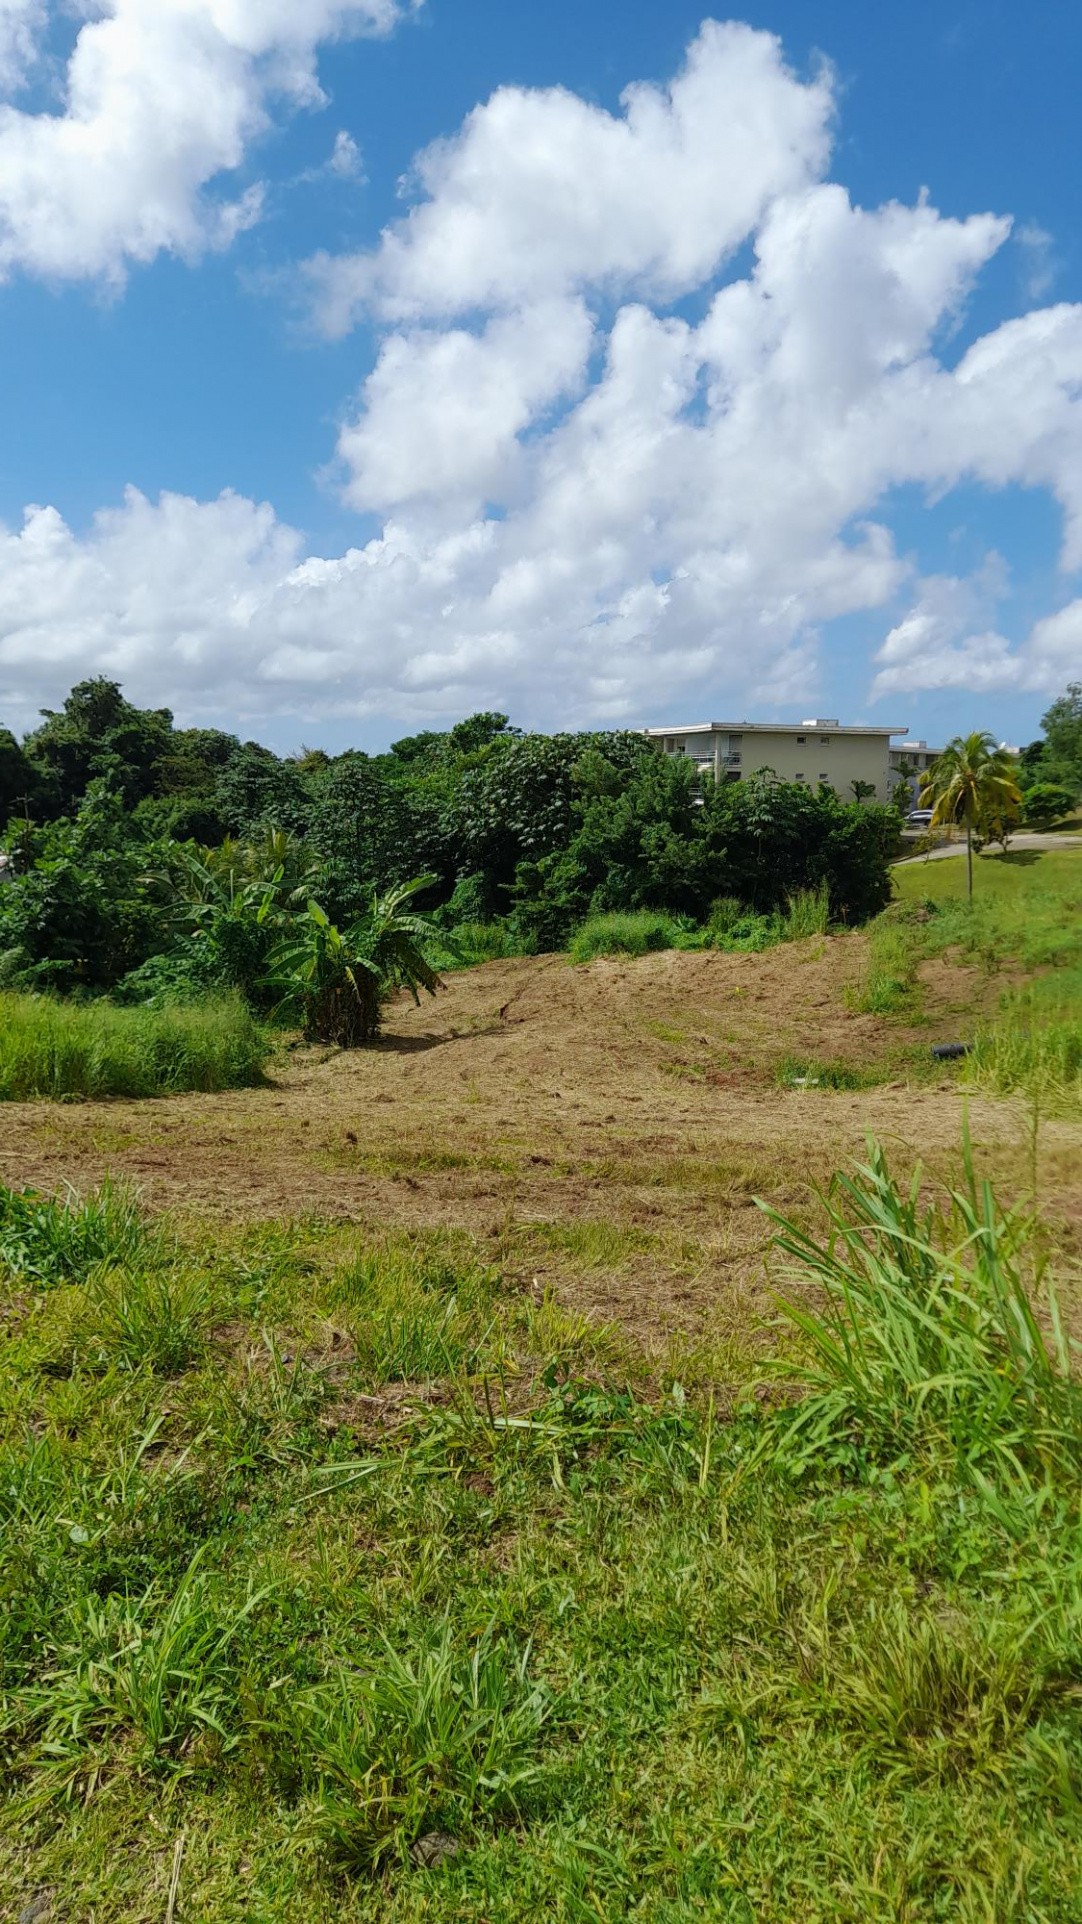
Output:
[[316, 1550]]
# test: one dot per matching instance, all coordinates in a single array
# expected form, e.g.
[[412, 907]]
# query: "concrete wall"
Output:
[[812, 756]]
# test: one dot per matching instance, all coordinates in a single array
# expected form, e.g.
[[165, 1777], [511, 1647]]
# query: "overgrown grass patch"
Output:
[[92, 1050], [635, 933], [405, 1595], [1035, 1043], [60, 1239], [1025, 916]]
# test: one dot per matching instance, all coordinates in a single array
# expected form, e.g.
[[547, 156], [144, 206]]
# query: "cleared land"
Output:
[[398, 1523], [605, 1128]]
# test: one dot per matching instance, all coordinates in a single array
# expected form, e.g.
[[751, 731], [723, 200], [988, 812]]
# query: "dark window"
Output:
[[802, 738]]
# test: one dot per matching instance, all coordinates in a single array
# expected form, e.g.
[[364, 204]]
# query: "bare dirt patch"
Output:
[[600, 1130]]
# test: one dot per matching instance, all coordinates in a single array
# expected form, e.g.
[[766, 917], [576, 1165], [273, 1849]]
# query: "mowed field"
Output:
[[417, 1508], [604, 1128]]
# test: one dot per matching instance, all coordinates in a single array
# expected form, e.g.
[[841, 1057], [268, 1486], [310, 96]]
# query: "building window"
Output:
[[735, 738], [802, 739], [799, 776], [670, 745], [824, 741], [823, 776]]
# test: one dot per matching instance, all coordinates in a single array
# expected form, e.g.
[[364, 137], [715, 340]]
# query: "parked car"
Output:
[[918, 817]]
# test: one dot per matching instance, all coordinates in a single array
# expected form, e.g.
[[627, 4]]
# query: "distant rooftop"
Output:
[[769, 728]]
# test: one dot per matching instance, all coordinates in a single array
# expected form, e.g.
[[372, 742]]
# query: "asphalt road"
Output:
[[1018, 842]]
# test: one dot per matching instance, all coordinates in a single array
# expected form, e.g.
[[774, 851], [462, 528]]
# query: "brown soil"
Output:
[[601, 1129]]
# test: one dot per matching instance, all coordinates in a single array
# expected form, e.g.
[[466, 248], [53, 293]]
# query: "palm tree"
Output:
[[971, 780], [338, 980]]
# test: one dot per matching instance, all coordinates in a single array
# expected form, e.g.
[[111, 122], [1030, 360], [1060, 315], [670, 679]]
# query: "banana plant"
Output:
[[336, 981]]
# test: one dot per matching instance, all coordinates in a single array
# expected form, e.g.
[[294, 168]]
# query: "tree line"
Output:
[[142, 859]]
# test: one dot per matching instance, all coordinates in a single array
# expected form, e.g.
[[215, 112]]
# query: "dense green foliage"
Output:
[[159, 863], [562, 1640], [1055, 760]]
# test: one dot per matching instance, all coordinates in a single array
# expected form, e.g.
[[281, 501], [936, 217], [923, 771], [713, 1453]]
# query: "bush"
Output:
[[1047, 802], [638, 933], [93, 1049]]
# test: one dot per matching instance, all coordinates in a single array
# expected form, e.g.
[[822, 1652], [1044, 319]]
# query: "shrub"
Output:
[[1047, 802], [93, 1049]]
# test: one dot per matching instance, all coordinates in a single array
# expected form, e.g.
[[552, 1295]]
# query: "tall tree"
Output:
[[969, 783]]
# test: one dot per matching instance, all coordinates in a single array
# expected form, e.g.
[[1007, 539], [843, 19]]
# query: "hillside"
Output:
[[604, 1127]]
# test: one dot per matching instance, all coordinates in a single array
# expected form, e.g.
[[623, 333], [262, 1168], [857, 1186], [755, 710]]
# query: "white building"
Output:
[[909, 763], [819, 750]]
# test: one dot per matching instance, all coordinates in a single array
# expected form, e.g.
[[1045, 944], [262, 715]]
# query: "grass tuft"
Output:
[[52, 1240], [430, 1741], [928, 1340]]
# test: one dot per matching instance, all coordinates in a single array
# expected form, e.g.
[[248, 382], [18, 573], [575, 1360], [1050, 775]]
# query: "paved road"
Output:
[[1018, 842]]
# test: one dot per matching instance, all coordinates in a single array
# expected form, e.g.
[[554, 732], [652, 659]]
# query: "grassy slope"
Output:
[[1024, 927], [314, 1544]]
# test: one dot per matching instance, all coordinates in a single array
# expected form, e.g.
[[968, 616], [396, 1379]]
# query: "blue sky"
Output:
[[179, 365]]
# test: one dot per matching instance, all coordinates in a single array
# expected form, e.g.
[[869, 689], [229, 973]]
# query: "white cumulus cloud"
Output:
[[160, 98], [616, 461]]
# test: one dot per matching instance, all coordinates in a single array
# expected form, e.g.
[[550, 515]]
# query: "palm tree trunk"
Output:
[[969, 861]]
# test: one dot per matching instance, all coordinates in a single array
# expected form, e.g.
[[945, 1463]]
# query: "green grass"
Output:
[[638, 932], [54, 1239], [386, 1551], [730, 926], [1026, 919], [94, 1049], [804, 1072]]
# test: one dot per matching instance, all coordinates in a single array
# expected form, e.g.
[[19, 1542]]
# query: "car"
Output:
[[918, 817]]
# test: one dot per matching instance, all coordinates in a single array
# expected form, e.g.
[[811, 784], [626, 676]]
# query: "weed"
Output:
[[152, 1318], [928, 1339], [157, 1666], [799, 1072], [50, 1240], [637, 932], [434, 1740], [1035, 1043], [807, 913]]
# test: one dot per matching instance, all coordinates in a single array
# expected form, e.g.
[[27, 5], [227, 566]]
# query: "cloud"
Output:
[[541, 193], [345, 162], [940, 644], [1040, 266], [644, 385], [160, 98], [21, 26]]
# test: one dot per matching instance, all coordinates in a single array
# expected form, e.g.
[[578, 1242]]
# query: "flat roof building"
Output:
[[821, 749]]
